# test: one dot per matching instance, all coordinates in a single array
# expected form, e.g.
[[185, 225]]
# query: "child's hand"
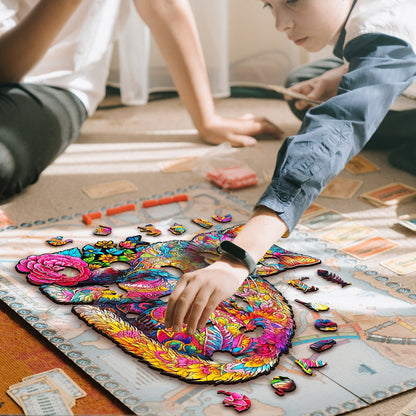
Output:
[[238, 132], [197, 294], [321, 88]]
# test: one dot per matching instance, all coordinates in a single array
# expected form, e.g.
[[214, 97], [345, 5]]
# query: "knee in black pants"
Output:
[[7, 171]]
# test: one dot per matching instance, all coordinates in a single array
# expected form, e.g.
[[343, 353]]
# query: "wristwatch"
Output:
[[237, 253]]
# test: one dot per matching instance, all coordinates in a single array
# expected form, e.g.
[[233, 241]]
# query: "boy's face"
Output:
[[311, 24]]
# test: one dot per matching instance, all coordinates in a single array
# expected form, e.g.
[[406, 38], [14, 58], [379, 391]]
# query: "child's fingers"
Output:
[[199, 305], [301, 105], [178, 304]]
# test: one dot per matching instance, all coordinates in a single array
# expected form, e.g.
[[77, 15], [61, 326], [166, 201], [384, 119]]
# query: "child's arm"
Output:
[[381, 68], [24, 45], [173, 28], [197, 294]]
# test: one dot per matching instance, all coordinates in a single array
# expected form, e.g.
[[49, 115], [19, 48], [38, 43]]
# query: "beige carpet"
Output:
[[131, 143]]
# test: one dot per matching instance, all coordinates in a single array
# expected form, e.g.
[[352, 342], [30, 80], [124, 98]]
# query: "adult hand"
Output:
[[321, 88], [198, 293], [238, 132]]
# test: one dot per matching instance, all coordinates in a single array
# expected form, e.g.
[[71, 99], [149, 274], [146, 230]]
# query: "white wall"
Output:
[[240, 45]]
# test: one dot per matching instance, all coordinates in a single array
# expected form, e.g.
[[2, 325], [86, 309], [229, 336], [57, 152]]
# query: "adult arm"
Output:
[[173, 28], [381, 67], [25, 44]]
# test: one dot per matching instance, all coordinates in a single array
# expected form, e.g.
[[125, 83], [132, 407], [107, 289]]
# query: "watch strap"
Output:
[[237, 253]]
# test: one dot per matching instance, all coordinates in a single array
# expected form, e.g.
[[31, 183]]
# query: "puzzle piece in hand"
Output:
[[134, 320]]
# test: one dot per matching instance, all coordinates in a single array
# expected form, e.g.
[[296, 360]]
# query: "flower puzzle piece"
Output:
[[58, 241], [326, 325], [306, 365], [240, 402], [282, 385], [134, 318]]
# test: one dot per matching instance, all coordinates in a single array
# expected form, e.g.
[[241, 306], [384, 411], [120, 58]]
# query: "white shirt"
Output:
[[391, 17], [80, 57]]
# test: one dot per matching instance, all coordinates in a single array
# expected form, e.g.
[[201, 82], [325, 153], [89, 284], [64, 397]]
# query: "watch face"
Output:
[[233, 250]]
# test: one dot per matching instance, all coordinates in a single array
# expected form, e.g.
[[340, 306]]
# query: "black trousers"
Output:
[[396, 133], [37, 123]]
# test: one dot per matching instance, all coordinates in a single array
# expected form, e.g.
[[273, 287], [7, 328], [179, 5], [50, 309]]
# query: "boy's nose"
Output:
[[283, 21]]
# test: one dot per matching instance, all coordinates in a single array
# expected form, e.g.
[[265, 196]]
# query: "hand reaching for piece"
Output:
[[198, 293], [321, 88], [238, 132]]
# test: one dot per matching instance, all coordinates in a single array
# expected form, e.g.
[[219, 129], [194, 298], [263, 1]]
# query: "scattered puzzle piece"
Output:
[[325, 325], [103, 230], [177, 229], [58, 241], [306, 365], [149, 229], [223, 219], [202, 223], [282, 385], [322, 345], [298, 284], [240, 402], [315, 306], [332, 277]]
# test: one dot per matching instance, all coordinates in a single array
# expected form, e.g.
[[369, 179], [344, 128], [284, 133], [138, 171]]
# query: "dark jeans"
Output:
[[37, 123], [397, 132]]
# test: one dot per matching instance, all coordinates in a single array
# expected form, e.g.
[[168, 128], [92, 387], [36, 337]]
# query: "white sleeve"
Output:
[[8, 14]]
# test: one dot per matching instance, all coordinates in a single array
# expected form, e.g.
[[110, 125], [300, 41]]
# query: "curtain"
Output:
[[241, 47]]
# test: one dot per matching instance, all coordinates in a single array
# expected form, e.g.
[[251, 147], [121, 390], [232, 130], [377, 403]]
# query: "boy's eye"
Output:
[[267, 5], [291, 1]]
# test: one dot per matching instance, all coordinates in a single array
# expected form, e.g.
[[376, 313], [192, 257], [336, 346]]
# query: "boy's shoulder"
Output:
[[387, 17]]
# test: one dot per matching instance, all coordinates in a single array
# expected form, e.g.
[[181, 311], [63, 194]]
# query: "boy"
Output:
[[54, 61], [377, 39]]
